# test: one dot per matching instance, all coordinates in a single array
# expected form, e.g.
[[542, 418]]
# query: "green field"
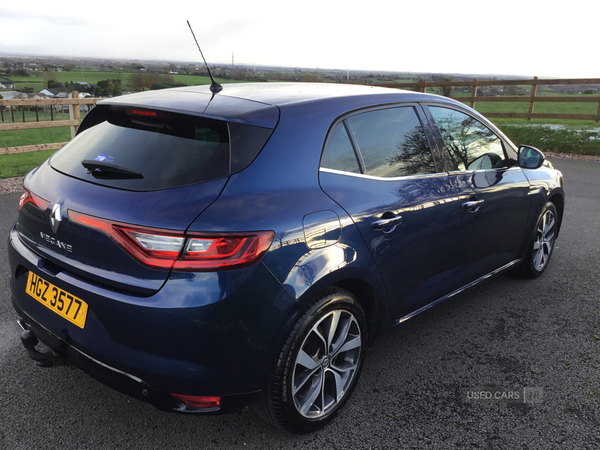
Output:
[[94, 76], [19, 164]]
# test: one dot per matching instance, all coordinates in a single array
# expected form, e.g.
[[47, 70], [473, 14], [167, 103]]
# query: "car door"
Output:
[[493, 192], [378, 165]]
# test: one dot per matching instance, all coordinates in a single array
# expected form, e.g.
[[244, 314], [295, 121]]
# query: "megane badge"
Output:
[[55, 218]]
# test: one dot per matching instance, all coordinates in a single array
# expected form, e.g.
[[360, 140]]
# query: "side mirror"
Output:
[[530, 157]]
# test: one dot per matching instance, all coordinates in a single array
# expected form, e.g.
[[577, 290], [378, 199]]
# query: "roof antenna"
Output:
[[214, 86]]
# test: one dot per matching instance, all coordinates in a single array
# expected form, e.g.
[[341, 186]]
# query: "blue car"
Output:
[[206, 251]]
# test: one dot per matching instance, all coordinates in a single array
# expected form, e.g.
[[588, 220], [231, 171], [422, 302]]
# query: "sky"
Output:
[[462, 36]]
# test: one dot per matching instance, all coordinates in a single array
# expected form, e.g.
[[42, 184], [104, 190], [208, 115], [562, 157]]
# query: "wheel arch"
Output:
[[368, 291], [368, 299], [559, 203]]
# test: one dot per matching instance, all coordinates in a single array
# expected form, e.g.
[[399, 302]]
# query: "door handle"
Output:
[[473, 205], [384, 224]]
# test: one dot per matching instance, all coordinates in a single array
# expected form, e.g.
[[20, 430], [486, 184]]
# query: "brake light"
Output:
[[166, 249], [35, 200], [143, 112]]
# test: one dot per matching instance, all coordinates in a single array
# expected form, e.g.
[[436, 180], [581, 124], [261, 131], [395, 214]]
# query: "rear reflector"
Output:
[[167, 249], [193, 401]]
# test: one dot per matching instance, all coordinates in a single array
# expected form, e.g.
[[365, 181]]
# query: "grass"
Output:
[[21, 163], [563, 139]]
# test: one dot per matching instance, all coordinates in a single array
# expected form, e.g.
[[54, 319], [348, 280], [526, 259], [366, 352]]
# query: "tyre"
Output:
[[318, 366], [540, 249]]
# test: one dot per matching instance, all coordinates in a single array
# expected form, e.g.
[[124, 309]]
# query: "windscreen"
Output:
[[143, 150]]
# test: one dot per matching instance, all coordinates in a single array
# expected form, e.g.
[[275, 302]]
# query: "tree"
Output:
[[136, 81], [54, 84], [167, 79], [117, 89], [446, 90]]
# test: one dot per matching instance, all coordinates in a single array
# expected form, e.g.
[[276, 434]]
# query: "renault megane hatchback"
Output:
[[203, 251]]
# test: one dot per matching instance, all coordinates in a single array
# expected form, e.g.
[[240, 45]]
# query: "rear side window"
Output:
[[389, 142], [392, 142], [154, 150], [340, 154]]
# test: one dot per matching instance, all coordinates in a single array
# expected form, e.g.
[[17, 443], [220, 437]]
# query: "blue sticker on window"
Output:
[[104, 158]]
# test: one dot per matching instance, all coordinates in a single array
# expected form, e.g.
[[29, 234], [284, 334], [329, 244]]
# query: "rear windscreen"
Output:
[[144, 150]]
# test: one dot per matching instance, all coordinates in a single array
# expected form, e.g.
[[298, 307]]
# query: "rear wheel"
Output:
[[318, 366], [540, 250]]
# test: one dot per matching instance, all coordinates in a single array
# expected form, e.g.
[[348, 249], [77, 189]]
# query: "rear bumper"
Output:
[[202, 334], [64, 354]]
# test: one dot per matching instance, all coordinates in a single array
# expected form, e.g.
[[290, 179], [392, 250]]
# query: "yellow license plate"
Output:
[[61, 302]]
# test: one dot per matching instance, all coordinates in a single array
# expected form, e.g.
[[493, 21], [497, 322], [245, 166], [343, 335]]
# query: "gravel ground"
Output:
[[10, 185]]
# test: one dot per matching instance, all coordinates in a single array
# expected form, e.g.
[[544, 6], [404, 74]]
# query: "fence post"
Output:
[[473, 93], [74, 113], [532, 102]]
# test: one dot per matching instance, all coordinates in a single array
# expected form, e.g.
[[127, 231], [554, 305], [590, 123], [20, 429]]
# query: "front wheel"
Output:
[[540, 250], [318, 366]]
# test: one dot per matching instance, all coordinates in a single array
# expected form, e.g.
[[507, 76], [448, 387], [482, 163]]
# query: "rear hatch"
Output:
[[112, 203]]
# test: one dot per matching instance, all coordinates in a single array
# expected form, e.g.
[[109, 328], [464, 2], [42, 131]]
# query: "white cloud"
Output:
[[468, 36]]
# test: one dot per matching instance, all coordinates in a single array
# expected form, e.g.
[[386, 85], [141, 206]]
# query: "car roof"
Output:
[[259, 103]]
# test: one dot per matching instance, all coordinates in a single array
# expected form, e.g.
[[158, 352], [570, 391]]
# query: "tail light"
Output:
[[35, 200], [166, 249]]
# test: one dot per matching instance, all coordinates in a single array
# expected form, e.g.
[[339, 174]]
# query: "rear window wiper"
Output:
[[104, 170]]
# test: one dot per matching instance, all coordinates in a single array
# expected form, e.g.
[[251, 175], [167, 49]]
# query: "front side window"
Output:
[[391, 143], [470, 144]]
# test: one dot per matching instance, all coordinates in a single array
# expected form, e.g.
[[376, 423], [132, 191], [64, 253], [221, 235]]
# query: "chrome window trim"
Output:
[[371, 177], [468, 172], [419, 114]]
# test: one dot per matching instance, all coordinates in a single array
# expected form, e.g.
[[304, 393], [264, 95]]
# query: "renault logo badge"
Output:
[[55, 218]]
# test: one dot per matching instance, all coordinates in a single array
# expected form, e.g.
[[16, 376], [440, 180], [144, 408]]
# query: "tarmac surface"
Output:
[[540, 338]]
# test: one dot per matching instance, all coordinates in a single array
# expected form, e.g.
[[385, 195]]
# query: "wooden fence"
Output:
[[74, 103], [531, 99]]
